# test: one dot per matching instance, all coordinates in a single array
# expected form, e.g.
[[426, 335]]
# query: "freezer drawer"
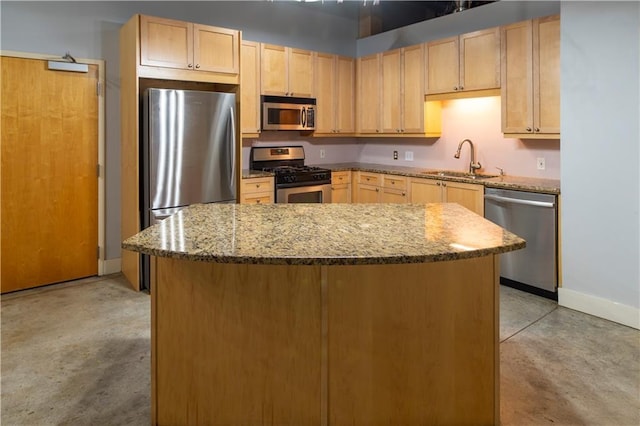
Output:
[[533, 217]]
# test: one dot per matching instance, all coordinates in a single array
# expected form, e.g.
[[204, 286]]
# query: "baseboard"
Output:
[[110, 266], [599, 307]]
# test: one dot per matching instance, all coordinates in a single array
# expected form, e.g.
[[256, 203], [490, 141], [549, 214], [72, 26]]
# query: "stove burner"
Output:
[[288, 167]]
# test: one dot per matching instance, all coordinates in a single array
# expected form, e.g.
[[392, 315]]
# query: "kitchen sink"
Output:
[[454, 174]]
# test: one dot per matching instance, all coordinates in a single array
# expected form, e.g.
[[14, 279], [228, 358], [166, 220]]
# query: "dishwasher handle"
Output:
[[519, 201]]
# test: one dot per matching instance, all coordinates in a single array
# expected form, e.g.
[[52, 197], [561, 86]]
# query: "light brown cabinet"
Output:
[[341, 187], [168, 43], [391, 95], [367, 189], [380, 188], [335, 94], [258, 190], [286, 71], [465, 63], [394, 189], [250, 88], [468, 195], [531, 78]]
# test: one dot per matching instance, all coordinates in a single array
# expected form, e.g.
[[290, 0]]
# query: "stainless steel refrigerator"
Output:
[[188, 153]]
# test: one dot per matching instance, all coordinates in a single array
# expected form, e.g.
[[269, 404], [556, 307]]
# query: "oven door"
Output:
[[304, 194]]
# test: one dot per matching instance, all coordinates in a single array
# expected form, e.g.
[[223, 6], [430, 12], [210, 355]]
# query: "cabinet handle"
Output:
[[190, 66], [455, 88], [377, 189], [444, 184], [393, 182], [461, 88], [257, 185], [528, 129], [438, 183], [537, 129], [197, 66], [258, 201], [404, 194]]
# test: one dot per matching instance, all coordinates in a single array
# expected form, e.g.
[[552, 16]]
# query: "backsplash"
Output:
[[477, 119]]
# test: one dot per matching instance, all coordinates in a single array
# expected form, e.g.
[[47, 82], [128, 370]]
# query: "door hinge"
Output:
[[99, 88], [98, 252]]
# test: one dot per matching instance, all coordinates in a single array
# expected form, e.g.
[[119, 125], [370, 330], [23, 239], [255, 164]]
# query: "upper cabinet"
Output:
[[167, 43], [250, 88], [464, 63], [391, 95], [286, 71], [531, 78], [335, 94]]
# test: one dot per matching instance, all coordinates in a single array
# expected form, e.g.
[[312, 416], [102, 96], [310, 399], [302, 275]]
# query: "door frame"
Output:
[[103, 267]]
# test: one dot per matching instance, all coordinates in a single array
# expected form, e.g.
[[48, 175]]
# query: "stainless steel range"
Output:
[[294, 182]]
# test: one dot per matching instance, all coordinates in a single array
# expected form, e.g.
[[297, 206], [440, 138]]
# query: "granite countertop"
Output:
[[250, 174], [324, 234], [520, 183]]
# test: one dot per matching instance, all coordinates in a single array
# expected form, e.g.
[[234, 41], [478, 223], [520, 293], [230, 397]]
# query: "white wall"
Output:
[[600, 47]]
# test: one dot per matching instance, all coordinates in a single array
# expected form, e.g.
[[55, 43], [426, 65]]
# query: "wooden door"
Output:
[[341, 193], [49, 216], [516, 74], [391, 96], [325, 93], [300, 73], [368, 194], [480, 60], [425, 191], [369, 94], [166, 43], [546, 75], [273, 70], [442, 66], [467, 195], [412, 89], [216, 49], [345, 94], [250, 87]]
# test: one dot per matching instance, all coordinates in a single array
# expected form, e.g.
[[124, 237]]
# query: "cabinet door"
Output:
[[166, 43], [546, 72], [341, 193], [250, 87], [325, 84], [425, 191], [368, 194], [216, 49], [391, 95], [467, 195], [300, 73], [517, 75], [369, 94], [273, 70], [413, 90], [345, 94], [442, 66], [480, 60]]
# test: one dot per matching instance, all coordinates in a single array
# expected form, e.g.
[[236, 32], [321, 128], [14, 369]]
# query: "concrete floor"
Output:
[[78, 354]]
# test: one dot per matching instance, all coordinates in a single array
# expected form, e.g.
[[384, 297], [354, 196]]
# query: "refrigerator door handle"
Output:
[[232, 121]]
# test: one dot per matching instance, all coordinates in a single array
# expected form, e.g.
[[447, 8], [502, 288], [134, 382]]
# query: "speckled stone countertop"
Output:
[[249, 174], [324, 234], [520, 183]]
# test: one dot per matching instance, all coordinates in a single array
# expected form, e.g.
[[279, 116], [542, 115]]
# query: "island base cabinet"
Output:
[[325, 345]]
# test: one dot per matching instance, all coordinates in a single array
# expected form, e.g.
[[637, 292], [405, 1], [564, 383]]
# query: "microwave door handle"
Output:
[[303, 117]]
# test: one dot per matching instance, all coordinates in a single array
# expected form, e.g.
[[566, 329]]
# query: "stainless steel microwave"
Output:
[[288, 113]]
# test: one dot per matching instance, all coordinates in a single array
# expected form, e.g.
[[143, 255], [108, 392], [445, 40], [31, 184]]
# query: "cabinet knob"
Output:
[[444, 184], [377, 189], [404, 194], [393, 182], [197, 66], [257, 185], [455, 88], [537, 129], [528, 129], [258, 201], [190, 66], [461, 88], [438, 183]]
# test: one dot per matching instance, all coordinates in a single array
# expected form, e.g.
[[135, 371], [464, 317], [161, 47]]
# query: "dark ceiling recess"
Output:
[[396, 14]]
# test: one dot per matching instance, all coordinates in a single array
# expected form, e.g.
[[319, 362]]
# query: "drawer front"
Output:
[[339, 178], [369, 178], [395, 182], [253, 185], [257, 199]]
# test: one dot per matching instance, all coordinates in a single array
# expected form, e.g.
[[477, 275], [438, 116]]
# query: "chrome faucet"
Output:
[[473, 166]]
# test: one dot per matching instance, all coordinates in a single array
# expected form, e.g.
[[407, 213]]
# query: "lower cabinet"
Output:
[[380, 188], [394, 189], [257, 190], [341, 187], [468, 195], [367, 188]]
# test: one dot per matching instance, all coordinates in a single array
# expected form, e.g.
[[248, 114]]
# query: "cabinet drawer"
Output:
[[253, 185], [341, 177], [394, 182], [369, 178], [257, 199]]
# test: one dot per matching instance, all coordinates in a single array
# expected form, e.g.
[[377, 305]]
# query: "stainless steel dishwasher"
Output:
[[532, 216]]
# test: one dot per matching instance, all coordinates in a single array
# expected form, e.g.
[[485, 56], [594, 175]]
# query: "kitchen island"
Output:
[[316, 314]]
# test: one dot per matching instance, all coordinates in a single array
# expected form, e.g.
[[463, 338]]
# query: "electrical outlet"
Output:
[[408, 155], [540, 163], [395, 155], [322, 153]]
